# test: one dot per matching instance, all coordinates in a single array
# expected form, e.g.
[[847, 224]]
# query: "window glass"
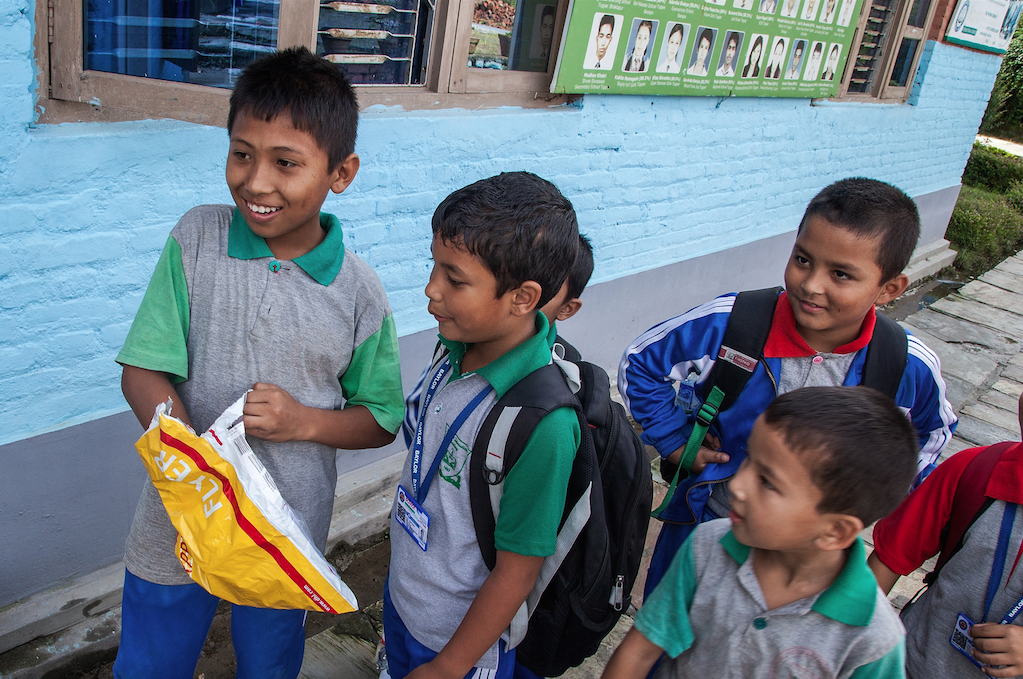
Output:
[[512, 34], [918, 13], [376, 43], [207, 42], [907, 50]]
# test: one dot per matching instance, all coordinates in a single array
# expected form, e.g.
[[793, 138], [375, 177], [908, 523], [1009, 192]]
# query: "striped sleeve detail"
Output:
[[931, 412]]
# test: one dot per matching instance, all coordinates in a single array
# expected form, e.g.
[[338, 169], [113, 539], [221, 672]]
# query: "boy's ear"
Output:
[[892, 289], [344, 173], [839, 532], [569, 309], [525, 298]]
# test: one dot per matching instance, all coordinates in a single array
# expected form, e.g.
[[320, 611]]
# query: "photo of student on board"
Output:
[[638, 58], [729, 54], [669, 62], [755, 56], [699, 62], [832, 63], [776, 62], [604, 42]]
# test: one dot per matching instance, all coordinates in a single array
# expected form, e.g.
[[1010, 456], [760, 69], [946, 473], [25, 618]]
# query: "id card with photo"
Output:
[[412, 517], [961, 639]]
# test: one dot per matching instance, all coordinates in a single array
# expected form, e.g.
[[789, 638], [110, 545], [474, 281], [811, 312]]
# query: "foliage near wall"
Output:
[[987, 223], [1004, 115]]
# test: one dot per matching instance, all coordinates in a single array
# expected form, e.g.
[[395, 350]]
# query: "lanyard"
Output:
[[1008, 516], [420, 485]]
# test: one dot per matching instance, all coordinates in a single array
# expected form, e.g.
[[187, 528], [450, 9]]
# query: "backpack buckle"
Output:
[[493, 476], [706, 414]]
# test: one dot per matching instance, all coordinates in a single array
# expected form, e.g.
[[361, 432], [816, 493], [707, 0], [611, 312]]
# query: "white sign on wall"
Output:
[[984, 24]]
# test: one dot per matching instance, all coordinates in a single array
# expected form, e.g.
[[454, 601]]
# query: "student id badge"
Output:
[[412, 517], [961, 639]]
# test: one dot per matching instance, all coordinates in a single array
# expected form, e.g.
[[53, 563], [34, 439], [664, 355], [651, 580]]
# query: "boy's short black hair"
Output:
[[313, 91], [582, 268], [872, 209], [519, 226], [861, 450]]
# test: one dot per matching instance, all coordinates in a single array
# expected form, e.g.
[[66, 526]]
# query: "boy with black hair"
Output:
[[566, 303], [853, 242], [260, 295], [782, 588], [965, 512], [501, 250]]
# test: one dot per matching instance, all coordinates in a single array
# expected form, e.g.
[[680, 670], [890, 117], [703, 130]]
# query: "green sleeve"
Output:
[[158, 336], [536, 487], [373, 377], [664, 617], [891, 666]]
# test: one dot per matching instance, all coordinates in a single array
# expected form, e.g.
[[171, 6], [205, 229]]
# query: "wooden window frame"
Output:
[[70, 93], [882, 91]]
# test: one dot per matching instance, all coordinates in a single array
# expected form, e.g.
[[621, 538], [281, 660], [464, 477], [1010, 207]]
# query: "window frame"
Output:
[[69, 93], [882, 90]]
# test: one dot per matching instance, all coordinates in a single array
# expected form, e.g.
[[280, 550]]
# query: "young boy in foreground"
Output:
[[856, 237], [782, 588], [501, 249], [260, 295], [914, 532]]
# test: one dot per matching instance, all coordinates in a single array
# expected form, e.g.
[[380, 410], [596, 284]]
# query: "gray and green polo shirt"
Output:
[[432, 590], [710, 616], [221, 313]]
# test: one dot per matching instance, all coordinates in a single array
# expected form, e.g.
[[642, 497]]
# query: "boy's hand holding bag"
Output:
[[237, 537]]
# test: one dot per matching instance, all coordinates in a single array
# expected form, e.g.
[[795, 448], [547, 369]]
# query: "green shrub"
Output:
[[1014, 196], [984, 229], [1004, 114], [992, 169]]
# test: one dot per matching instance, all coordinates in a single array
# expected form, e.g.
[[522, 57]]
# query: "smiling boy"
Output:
[[261, 295], [501, 250], [856, 237], [782, 588]]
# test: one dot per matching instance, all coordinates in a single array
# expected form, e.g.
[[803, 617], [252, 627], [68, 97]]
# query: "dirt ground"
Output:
[[362, 567]]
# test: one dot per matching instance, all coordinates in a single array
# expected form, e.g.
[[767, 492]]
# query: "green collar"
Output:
[[851, 597], [504, 372], [321, 263]]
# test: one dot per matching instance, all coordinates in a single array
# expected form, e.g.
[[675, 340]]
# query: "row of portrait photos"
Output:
[[723, 53]]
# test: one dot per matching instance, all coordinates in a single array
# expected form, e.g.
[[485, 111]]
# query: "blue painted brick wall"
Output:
[[85, 208]]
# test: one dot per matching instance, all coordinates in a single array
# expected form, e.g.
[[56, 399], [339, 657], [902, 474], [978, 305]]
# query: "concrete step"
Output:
[[930, 260], [80, 623]]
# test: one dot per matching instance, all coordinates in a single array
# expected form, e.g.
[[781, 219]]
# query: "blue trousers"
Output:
[[404, 653], [164, 627]]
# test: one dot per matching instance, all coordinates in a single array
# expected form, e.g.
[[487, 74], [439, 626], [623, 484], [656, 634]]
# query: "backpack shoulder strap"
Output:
[[749, 323], [745, 336], [501, 440], [886, 357], [969, 503]]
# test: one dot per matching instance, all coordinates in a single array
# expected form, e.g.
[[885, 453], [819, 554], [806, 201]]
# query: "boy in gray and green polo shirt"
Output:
[[502, 247], [782, 588], [260, 295]]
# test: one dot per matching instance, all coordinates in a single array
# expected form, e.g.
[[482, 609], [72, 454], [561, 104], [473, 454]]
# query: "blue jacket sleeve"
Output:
[[666, 354], [922, 392]]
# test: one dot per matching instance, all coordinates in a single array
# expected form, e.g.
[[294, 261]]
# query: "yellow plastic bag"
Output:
[[237, 537]]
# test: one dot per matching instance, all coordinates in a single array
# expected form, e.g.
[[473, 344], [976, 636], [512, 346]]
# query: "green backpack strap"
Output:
[[741, 348]]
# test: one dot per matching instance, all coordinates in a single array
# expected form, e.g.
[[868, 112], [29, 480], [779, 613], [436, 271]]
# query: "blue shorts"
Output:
[[164, 627], [404, 653]]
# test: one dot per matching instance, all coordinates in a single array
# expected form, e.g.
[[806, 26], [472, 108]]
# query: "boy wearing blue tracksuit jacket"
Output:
[[856, 237]]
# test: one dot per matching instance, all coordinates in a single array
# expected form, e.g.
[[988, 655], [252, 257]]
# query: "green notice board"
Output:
[[743, 48]]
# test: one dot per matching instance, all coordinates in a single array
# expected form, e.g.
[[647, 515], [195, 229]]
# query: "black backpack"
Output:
[[584, 588], [741, 350]]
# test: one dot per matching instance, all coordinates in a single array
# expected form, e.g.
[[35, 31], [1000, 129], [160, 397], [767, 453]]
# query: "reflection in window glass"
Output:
[[377, 43], [512, 34], [918, 13], [900, 74], [207, 42], [871, 48]]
